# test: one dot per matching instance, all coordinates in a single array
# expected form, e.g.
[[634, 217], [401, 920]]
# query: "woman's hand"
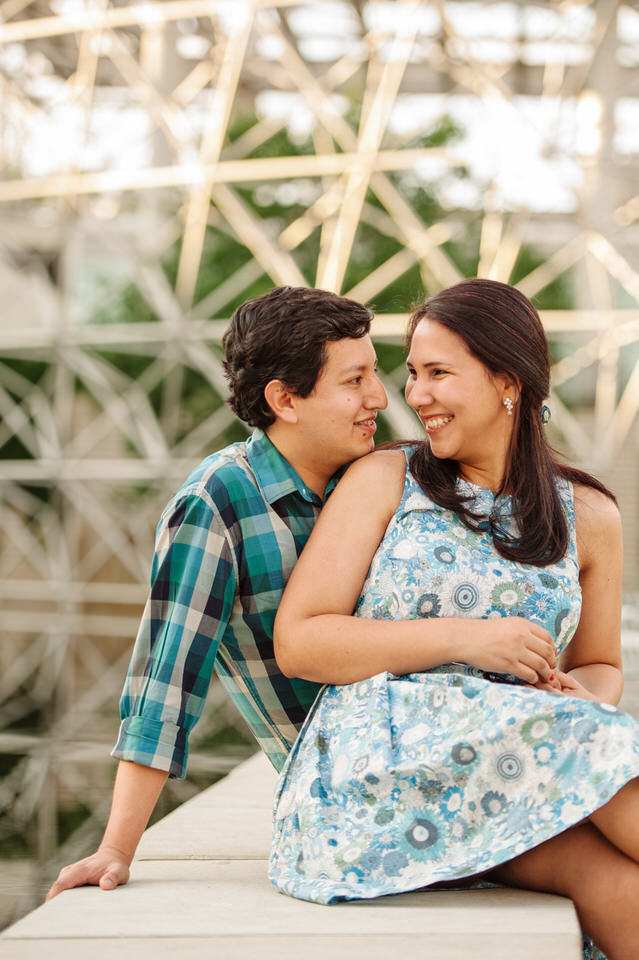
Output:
[[511, 645], [566, 685]]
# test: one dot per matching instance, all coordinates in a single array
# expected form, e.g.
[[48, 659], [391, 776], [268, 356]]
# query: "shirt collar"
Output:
[[275, 475]]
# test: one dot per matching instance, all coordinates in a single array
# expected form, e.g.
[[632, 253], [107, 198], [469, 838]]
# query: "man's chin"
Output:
[[367, 446]]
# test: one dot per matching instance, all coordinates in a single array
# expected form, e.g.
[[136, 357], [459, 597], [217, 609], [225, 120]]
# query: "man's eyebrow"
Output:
[[355, 368]]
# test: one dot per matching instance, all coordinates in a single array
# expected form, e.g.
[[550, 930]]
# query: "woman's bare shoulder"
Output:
[[374, 482], [389, 462], [597, 519], [593, 507]]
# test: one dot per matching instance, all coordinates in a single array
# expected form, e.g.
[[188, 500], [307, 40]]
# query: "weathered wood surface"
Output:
[[199, 890]]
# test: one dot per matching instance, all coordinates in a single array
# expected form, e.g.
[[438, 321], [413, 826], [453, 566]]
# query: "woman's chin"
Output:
[[440, 450]]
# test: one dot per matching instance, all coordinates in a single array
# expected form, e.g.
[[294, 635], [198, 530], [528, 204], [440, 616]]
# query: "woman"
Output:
[[468, 728]]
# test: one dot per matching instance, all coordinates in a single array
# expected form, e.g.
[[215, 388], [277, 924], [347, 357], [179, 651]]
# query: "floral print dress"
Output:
[[395, 782]]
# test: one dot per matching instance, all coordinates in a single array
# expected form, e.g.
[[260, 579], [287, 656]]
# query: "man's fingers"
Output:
[[79, 875], [66, 880], [114, 877], [54, 890]]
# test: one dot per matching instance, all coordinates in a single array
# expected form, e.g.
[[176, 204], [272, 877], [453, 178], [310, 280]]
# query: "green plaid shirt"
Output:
[[226, 545]]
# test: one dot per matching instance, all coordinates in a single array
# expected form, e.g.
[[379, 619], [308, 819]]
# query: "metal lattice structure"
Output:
[[102, 420]]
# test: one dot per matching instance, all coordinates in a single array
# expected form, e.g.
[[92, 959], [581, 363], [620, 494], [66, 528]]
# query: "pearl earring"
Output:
[[508, 403]]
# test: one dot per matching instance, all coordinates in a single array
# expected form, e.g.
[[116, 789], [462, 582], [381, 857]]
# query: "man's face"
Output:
[[337, 419]]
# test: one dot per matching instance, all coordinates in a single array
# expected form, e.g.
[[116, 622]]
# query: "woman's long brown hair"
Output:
[[502, 329]]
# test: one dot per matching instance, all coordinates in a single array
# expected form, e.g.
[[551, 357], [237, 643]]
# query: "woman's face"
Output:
[[460, 403]]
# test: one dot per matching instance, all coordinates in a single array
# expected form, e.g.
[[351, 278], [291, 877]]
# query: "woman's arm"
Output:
[[317, 638], [592, 660]]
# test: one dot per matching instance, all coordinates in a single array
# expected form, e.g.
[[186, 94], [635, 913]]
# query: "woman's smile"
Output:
[[435, 423]]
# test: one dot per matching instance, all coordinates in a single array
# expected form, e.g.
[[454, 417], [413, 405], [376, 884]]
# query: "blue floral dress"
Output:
[[396, 783]]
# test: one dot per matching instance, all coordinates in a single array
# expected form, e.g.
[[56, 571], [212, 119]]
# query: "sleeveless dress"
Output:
[[396, 783]]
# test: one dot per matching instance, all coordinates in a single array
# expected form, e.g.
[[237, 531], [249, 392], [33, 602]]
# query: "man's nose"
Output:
[[377, 395]]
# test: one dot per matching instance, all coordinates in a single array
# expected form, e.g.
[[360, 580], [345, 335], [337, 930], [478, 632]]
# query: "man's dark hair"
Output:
[[282, 336]]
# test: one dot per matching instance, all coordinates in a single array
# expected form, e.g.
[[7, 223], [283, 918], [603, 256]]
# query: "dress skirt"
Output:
[[396, 783]]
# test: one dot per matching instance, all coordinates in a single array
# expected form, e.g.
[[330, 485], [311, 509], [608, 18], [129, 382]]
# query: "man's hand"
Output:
[[134, 796], [106, 868]]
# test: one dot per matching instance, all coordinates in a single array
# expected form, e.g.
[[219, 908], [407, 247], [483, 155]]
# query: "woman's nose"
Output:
[[418, 394]]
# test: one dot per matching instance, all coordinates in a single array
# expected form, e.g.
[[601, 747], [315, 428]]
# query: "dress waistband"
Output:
[[466, 670]]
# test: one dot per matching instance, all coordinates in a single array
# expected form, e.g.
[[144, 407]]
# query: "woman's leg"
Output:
[[602, 882], [618, 819]]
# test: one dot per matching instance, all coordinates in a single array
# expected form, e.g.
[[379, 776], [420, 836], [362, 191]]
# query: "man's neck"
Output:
[[303, 461]]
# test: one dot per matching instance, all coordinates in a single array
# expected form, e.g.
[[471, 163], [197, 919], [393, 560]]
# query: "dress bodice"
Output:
[[429, 564]]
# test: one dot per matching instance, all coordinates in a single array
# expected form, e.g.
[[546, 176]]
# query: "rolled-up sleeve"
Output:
[[193, 583]]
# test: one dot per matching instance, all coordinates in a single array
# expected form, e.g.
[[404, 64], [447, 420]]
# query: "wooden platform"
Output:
[[199, 890]]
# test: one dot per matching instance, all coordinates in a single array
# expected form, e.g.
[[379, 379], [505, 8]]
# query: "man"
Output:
[[302, 370]]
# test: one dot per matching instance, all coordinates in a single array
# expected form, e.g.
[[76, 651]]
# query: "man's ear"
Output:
[[281, 401]]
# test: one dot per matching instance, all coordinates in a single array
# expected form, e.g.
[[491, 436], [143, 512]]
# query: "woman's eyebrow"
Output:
[[429, 363]]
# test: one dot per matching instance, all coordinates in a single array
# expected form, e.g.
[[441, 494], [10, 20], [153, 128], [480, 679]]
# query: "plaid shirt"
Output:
[[226, 545]]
